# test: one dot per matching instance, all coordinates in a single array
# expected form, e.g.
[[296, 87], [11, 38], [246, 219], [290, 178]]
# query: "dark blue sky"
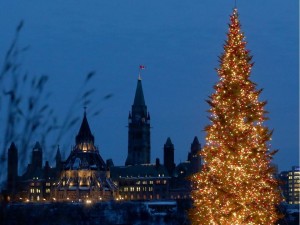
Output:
[[179, 42]]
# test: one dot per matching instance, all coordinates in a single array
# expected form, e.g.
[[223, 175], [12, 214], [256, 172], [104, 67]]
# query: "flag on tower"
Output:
[[142, 67]]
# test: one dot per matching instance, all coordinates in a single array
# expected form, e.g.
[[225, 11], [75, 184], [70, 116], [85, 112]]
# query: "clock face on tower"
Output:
[[137, 117]]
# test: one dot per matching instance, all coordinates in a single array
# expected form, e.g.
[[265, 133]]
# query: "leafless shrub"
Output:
[[26, 110]]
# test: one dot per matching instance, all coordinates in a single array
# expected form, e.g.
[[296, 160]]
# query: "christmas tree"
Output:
[[236, 184]]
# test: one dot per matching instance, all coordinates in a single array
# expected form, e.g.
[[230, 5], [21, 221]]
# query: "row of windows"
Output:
[[179, 197], [143, 182], [294, 189], [38, 184], [131, 197], [32, 190], [294, 202], [295, 177], [294, 181], [294, 194], [294, 172], [138, 189]]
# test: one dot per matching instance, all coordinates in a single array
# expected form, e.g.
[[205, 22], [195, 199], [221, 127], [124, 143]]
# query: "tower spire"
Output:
[[84, 135], [138, 129], [139, 99]]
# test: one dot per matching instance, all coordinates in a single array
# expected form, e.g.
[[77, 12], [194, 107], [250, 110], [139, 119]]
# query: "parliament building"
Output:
[[85, 177]]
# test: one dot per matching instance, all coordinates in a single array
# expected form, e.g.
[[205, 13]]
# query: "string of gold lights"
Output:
[[236, 185]]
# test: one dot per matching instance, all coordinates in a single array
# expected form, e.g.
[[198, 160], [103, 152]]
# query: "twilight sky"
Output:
[[179, 43]]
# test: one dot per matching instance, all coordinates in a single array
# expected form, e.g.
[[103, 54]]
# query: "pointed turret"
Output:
[[194, 155], [58, 159], [58, 155], [169, 156], [84, 135], [195, 146], [37, 147], [37, 156], [169, 143], [12, 170]]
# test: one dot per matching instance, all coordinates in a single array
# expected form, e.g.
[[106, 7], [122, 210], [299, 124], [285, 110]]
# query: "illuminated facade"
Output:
[[294, 185], [36, 182], [142, 182], [84, 175]]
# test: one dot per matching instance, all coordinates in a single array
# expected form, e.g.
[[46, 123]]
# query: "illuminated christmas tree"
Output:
[[236, 185]]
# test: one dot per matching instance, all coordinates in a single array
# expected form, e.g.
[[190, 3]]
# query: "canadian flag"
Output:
[[142, 67]]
